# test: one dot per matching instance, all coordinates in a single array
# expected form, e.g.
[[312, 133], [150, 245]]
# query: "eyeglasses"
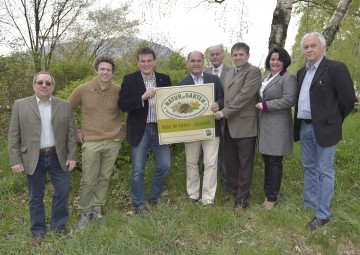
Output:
[[40, 83]]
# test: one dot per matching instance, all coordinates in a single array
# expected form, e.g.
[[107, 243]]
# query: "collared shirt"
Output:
[[150, 83], [199, 80], [220, 68], [47, 135], [304, 109]]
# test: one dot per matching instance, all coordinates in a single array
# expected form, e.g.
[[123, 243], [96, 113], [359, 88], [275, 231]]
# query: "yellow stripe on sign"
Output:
[[176, 125]]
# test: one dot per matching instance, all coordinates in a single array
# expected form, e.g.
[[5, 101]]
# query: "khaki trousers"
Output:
[[210, 148], [98, 161]]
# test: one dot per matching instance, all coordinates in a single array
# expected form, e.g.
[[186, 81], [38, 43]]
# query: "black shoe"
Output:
[[316, 223]]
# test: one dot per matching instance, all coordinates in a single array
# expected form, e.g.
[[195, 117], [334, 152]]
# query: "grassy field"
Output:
[[179, 227]]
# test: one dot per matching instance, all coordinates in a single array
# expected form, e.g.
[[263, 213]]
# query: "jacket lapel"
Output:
[[238, 74], [273, 82], [34, 106], [321, 68], [54, 107]]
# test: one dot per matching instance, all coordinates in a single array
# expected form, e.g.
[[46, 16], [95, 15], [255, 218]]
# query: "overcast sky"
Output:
[[189, 26], [195, 28]]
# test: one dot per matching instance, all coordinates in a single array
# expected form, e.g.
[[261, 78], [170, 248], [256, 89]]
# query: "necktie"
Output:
[[236, 71], [216, 72]]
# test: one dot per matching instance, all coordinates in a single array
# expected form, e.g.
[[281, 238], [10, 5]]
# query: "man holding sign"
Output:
[[195, 62], [136, 97]]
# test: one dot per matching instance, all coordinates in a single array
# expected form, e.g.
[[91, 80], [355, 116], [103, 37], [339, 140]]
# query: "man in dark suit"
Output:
[[216, 56], [195, 62], [42, 140], [240, 96], [137, 98], [325, 96]]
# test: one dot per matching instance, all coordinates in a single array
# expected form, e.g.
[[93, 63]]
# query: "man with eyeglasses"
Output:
[[100, 138], [41, 142]]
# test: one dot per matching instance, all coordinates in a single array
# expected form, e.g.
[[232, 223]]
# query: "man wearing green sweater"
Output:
[[99, 136]]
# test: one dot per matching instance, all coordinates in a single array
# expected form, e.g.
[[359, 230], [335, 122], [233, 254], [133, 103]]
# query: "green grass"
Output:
[[178, 227]]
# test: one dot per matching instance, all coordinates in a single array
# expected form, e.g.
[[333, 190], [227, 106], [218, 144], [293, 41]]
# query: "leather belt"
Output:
[[307, 121], [48, 150]]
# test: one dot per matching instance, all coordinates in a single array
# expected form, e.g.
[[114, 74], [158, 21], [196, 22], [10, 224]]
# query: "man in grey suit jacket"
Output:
[[240, 131], [41, 141], [210, 147], [216, 56]]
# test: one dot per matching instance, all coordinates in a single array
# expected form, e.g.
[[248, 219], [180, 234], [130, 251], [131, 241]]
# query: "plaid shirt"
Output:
[[150, 83]]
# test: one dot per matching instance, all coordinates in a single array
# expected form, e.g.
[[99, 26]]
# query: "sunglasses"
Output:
[[40, 83]]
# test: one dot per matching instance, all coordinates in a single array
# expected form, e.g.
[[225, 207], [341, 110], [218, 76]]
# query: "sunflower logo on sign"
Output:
[[185, 107]]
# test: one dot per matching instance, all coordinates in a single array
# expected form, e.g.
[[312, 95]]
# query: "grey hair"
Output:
[[44, 72], [221, 46], [319, 36]]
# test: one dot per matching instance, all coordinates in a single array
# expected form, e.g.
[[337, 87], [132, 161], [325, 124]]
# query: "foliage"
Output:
[[37, 24], [106, 31], [179, 227], [66, 71], [15, 78], [346, 46]]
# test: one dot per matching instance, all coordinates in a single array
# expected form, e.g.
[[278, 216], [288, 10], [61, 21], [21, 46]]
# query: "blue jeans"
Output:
[[319, 172], [150, 141], [48, 164]]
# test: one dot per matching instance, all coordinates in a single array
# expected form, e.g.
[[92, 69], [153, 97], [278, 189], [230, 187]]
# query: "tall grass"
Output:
[[179, 227]]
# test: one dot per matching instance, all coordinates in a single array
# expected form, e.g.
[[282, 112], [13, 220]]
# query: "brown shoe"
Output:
[[268, 205], [38, 240]]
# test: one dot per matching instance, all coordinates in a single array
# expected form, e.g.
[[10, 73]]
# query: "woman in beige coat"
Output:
[[277, 96]]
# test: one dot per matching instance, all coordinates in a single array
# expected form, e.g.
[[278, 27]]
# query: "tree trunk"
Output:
[[335, 22], [280, 23]]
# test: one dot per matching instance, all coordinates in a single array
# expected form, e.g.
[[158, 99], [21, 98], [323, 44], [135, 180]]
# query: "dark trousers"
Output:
[[273, 175], [239, 156], [48, 164]]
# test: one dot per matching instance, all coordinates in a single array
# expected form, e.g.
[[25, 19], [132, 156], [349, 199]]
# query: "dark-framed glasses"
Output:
[[40, 83]]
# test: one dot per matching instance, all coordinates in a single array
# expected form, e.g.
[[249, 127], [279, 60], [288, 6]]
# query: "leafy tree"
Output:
[[104, 31], [15, 79], [346, 44], [39, 25]]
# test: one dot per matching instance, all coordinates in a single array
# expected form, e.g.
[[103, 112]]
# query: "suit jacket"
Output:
[[240, 98], [222, 75], [275, 122], [130, 101], [332, 97], [25, 131], [219, 94]]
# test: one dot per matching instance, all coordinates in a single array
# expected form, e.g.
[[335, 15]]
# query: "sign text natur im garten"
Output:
[[184, 114]]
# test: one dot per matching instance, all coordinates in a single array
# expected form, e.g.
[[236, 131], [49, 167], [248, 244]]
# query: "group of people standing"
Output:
[[43, 134]]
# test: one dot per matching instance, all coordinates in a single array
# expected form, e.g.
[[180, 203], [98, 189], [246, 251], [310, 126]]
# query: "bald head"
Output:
[[195, 63]]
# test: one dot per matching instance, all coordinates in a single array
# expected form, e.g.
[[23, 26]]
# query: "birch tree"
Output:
[[280, 23], [336, 20]]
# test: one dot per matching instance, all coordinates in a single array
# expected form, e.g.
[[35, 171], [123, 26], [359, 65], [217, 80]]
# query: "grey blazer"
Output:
[[240, 98], [222, 75], [275, 121], [25, 131]]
